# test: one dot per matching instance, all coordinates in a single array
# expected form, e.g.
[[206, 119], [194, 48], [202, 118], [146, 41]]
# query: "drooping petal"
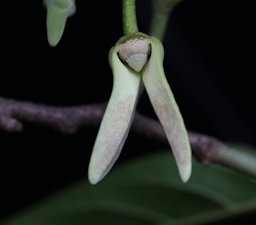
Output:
[[117, 119], [57, 13], [166, 108]]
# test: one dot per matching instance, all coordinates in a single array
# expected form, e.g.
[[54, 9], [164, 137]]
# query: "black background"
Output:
[[209, 61]]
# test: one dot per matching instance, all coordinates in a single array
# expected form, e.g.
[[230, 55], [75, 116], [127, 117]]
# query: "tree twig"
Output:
[[206, 149], [64, 119], [68, 119]]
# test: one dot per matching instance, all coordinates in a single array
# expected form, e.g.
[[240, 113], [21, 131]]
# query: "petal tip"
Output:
[[185, 171], [53, 41], [94, 176], [92, 179]]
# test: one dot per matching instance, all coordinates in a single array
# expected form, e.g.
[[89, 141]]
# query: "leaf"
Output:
[[146, 191]]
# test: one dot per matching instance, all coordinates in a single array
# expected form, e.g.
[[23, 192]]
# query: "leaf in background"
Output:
[[146, 191]]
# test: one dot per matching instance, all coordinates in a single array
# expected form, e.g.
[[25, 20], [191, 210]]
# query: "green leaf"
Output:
[[146, 191]]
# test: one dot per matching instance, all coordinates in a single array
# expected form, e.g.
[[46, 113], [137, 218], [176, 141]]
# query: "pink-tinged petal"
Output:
[[117, 119], [167, 109]]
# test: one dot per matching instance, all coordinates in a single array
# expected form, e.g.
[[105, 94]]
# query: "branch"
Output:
[[63, 119], [68, 119]]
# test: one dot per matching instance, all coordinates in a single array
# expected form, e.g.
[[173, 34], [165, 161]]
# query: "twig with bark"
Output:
[[206, 149]]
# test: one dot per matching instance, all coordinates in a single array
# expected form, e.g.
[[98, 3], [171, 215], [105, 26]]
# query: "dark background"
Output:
[[209, 61]]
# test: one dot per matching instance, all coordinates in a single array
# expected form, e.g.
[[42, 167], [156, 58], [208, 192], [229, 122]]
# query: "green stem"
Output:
[[129, 17], [161, 12], [159, 21]]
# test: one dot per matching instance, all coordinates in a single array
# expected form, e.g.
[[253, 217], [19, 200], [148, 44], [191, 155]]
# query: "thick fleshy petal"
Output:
[[166, 108], [117, 119], [57, 13]]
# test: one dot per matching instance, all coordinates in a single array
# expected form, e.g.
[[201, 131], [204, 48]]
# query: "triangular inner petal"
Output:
[[137, 61]]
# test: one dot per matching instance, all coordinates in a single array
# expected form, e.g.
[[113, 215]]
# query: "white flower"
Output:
[[135, 59]]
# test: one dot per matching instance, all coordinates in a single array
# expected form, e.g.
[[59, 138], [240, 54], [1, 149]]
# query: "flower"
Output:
[[135, 59], [57, 13]]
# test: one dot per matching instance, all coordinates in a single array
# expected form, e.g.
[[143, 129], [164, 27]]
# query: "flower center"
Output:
[[135, 52]]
